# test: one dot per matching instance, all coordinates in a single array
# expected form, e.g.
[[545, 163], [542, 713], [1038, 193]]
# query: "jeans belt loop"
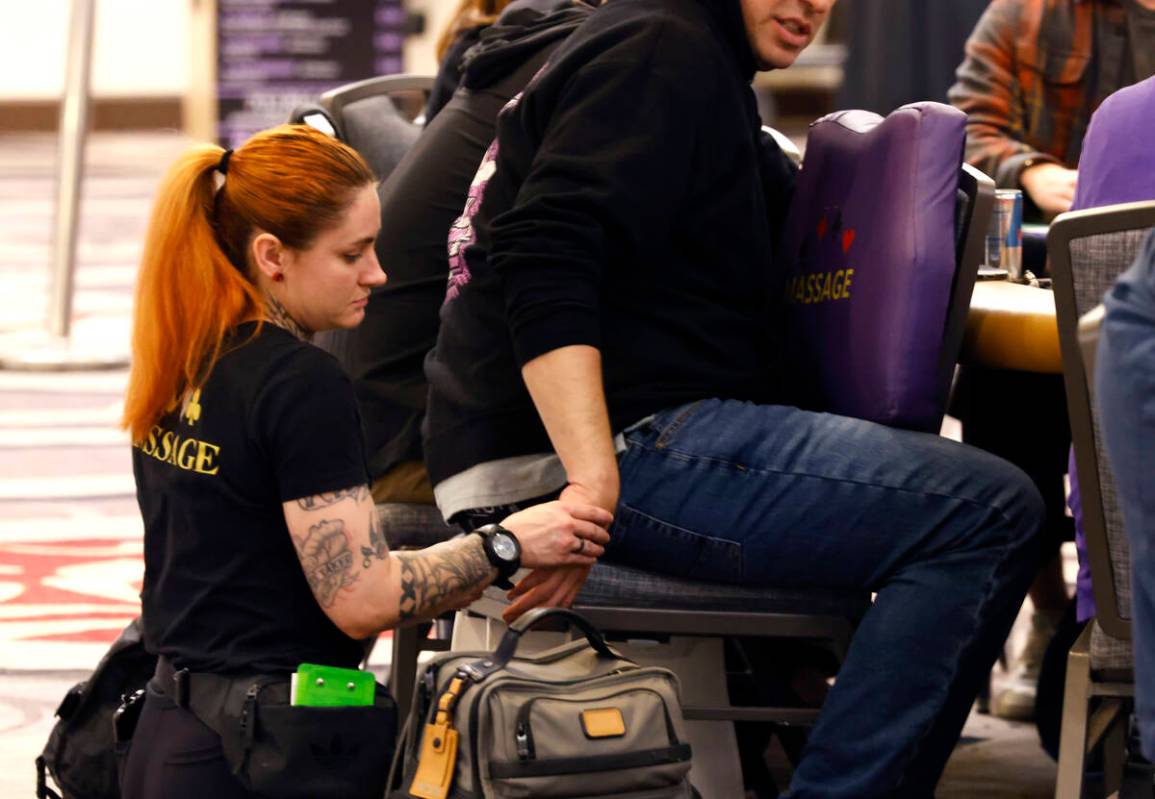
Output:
[[180, 680]]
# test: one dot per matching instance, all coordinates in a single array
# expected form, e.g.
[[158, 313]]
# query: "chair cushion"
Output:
[[1096, 262], [409, 524], [871, 252], [612, 585]]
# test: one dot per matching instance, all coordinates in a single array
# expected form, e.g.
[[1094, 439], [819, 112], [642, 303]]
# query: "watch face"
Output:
[[504, 546]]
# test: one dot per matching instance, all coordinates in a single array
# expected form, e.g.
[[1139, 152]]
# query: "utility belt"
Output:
[[284, 751]]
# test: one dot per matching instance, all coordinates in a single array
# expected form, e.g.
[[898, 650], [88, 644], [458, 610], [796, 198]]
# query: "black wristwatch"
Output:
[[503, 551]]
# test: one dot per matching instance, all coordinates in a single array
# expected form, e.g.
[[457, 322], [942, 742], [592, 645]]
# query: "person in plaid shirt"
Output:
[[1034, 72]]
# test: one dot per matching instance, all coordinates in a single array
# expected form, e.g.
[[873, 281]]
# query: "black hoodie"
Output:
[[527, 15], [419, 201], [627, 212]]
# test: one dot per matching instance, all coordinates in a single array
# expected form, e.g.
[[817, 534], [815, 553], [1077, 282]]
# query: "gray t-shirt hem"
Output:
[[504, 481]]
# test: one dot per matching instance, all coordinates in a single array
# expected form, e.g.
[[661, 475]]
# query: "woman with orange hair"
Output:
[[262, 546]]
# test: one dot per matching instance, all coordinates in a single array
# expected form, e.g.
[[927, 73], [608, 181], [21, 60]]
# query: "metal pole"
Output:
[[73, 132], [53, 350]]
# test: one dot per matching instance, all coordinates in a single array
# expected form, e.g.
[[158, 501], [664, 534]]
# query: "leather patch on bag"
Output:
[[603, 722]]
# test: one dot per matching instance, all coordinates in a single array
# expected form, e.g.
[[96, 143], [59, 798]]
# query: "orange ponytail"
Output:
[[193, 287]]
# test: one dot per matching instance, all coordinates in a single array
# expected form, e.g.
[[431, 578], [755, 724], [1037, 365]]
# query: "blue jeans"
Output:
[[1125, 393], [770, 495]]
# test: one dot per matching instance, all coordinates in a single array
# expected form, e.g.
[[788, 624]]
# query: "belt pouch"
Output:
[[283, 751]]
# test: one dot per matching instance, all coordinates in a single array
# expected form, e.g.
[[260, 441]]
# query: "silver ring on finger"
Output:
[[581, 547]]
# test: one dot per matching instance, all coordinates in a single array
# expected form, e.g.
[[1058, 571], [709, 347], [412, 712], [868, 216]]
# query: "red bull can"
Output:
[[1005, 235]]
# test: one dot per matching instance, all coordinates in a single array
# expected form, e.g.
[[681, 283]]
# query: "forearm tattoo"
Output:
[[318, 501], [276, 313], [327, 560], [377, 547], [431, 579]]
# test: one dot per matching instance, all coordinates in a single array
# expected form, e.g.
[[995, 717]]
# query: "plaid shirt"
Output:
[[1031, 80]]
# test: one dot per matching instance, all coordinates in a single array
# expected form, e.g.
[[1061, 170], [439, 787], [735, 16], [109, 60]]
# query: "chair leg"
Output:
[[403, 670], [1114, 751], [1073, 738]]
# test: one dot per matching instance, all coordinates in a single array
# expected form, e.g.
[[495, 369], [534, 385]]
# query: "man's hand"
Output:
[[604, 495], [1050, 186], [546, 588], [564, 533]]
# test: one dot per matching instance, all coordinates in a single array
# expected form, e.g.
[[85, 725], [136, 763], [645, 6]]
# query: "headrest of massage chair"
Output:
[[372, 126], [870, 248], [314, 116]]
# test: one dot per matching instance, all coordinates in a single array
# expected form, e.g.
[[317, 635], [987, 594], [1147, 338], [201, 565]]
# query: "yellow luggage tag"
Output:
[[438, 760]]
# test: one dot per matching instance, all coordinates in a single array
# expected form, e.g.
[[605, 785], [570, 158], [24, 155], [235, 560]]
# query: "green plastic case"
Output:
[[328, 686]]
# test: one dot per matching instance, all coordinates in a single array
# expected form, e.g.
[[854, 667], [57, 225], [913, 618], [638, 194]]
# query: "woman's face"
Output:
[[327, 285]]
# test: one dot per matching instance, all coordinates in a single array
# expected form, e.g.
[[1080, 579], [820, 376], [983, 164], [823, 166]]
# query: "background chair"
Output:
[[1088, 250], [380, 117], [631, 604]]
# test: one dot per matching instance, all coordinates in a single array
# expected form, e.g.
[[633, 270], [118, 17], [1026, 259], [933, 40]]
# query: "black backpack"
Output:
[[80, 753]]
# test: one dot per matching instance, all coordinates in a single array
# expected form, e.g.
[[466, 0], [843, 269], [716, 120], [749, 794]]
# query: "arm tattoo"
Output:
[[318, 501], [377, 547], [430, 579], [327, 560], [279, 316]]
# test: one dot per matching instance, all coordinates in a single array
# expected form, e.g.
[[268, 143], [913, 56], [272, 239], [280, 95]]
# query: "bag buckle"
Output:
[[521, 737]]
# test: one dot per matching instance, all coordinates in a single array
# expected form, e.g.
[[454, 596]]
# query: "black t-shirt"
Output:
[[224, 590]]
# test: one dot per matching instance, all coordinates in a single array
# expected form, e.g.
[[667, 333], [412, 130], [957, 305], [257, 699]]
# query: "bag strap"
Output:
[[42, 789], [509, 642]]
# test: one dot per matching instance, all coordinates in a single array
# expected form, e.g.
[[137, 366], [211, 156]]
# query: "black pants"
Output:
[[1022, 418], [174, 756]]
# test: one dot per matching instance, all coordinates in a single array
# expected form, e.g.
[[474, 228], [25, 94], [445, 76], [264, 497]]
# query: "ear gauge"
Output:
[[278, 277]]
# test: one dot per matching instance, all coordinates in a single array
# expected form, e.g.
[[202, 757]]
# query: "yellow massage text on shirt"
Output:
[[189, 454]]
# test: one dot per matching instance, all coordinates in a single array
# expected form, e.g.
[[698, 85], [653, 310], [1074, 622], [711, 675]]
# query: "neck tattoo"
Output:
[[276, 313]]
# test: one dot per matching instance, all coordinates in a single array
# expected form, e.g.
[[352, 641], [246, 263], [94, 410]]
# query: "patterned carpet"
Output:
[[70, 534]]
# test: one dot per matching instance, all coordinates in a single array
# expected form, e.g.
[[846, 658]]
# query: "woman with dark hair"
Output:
[[262, 546]]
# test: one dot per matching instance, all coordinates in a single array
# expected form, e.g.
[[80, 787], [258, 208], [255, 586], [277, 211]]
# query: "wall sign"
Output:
[[273, 55]]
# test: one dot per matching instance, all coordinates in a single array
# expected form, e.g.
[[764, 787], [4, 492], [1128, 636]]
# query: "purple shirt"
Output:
[[1117, 166], [1118, 161]]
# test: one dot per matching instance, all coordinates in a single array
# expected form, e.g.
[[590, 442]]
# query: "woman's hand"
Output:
[[562, 533], [545, 588]]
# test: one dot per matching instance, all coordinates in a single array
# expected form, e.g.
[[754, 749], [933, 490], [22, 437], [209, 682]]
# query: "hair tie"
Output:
[[223, 165]]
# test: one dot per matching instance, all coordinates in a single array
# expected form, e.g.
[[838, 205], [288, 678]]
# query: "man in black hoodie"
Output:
[[606, 336], [419, 201]]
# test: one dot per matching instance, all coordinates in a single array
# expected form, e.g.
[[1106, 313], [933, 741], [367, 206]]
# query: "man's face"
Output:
[[779, 30]]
